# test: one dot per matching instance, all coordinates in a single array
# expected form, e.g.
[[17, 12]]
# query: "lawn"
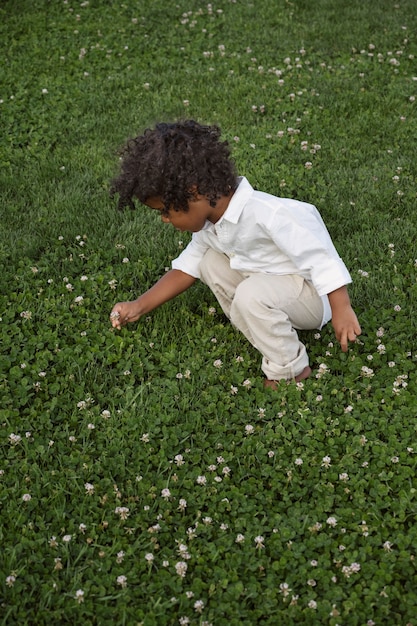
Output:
[[146, 476]]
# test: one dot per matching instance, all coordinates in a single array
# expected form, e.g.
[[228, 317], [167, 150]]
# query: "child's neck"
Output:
[[220, 208]]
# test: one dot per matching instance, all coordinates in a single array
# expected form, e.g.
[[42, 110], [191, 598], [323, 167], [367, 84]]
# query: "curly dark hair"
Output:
[[174, 161]]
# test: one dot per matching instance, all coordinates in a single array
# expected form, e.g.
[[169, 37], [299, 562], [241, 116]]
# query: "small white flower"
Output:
[[89, 488], [66, 538], [331, 521], [165, 493], [120, 556], [122, 581], [298, 461], [312, 604], [199, 606], [259, 541], [149, 557], [201, 480], [218, 363], [79, 596], [284, 588], [26, 497], [249, 429], [240, 538], [181, 568], [122, 511], [326, 461]]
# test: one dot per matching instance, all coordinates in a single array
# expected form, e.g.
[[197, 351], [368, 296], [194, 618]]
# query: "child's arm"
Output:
[[344, 320], [170, 285]]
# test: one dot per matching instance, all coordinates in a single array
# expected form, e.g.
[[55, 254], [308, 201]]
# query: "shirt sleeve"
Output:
[[190, 258], [308, 245]]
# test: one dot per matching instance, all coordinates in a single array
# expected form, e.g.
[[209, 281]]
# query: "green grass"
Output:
[[93, 420]]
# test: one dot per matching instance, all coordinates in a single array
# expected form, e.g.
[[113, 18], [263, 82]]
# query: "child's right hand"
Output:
[[123, 313]]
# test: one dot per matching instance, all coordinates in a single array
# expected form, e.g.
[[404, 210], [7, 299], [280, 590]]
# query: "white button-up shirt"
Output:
[[262, 233]]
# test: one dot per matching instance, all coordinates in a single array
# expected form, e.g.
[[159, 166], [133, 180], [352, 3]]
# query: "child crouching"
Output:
[[269, 261]]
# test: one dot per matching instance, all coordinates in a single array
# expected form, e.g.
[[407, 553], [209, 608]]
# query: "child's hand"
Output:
[[346, 327], [124, 312]]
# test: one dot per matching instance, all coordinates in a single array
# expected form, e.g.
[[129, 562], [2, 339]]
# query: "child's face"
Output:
[[193, 220]]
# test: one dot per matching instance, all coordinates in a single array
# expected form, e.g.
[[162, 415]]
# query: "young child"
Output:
[[269, 261]]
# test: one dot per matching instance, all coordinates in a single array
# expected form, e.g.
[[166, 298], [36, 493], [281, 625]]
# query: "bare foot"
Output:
[[273, 384]]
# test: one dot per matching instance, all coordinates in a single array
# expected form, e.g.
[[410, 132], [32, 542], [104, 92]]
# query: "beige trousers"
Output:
[[267, 309]]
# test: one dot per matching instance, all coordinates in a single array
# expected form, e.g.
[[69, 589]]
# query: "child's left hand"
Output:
[[346, 326]]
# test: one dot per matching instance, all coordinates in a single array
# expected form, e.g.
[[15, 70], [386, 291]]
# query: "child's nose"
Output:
[[165, 219]]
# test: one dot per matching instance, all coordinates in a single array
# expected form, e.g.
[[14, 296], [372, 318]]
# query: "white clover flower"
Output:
[[218, 363], [14, 439], [298, 461], [182, 504], [179, 460], [249, 429], [312, 604], [201, 480], [199, 606], [10, 580], [120, 556], [284, 588], [122, 581], [240, 538], [89, 488], [66, 538], [331, 521], [367, 372], [79, 596], [259, 541], [105, 414], [149, 557], [145, 438], [247, 383], [27, 315], [344, 477], [82, 528], [181, 568], [26, 497], [387, 546], [165, 493], [122, 511], [326, 461]]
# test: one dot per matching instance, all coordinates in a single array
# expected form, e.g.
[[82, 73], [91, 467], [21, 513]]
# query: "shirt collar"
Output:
[[237, 202]]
